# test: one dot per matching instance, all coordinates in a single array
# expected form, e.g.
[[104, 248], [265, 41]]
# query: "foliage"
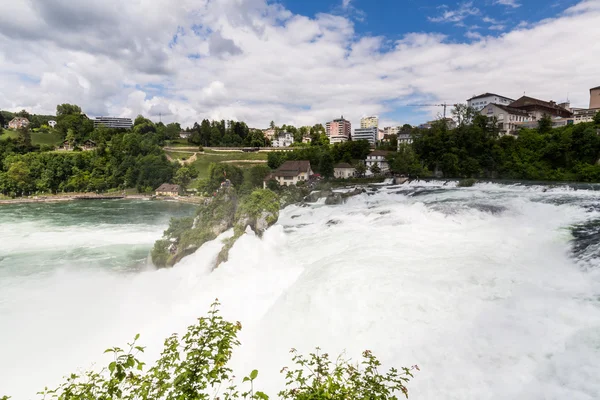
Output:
[[317, 377], [405, 162], [475, 151], [597, 118], [467, 182], [375, 169], [195, 366], [326, 165], [361, 169]]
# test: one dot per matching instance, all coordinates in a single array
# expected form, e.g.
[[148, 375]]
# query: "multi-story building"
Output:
[[368, 134], [479, 102], [114, 122], [509, 119], [391, 130], [584, 114], [538, 108], [369, 122], [377, 157], [595, 97], [284, 139], [338, 130], [404, 138]]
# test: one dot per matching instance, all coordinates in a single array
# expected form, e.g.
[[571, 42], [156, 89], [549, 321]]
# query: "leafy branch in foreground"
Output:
[[194, 366]]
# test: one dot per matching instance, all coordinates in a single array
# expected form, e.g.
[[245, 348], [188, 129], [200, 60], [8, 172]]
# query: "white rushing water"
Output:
[[477, 286]]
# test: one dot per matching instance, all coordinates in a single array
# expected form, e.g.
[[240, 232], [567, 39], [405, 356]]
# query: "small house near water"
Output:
[[167, 189]]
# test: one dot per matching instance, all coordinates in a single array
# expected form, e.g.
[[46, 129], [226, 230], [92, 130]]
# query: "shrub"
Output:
[[194, 366], [467, 182]]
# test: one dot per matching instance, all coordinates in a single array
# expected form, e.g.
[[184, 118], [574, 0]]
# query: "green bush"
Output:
[[195, 366], [467, 182]]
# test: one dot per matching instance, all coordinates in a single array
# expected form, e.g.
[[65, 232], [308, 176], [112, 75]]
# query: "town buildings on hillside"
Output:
[[537, 108], [338, 130], [114, 122], [18, 123]]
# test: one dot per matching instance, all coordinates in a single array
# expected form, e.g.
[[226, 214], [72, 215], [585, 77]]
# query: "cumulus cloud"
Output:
[[256, 61]]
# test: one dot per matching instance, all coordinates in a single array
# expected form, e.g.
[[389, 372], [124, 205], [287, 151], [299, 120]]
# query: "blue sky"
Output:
[[394, 18], [296, 62]]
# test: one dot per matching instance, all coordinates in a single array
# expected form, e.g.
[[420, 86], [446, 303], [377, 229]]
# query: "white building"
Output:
[[284, 139], [404, 138], [52, 123], [369, 122], [509, 119], [114, 122], [368, 134], [377, 157], [584, 114], [479, 102], [344, 171]]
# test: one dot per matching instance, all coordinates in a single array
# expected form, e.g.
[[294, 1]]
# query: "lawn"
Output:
[[245, 160], [37, 138]]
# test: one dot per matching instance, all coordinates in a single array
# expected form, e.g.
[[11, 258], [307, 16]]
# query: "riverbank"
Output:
[[90, 197]]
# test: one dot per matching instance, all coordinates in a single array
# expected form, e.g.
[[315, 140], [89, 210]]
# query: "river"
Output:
[[493, 291]]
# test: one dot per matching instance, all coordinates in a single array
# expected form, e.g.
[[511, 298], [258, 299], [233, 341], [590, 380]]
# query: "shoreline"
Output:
[[88, 197]]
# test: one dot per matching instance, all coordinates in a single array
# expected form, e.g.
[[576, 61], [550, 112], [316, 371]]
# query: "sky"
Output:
[[296, 62]]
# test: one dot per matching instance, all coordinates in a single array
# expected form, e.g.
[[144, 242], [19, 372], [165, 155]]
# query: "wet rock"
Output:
[[332, 222], [334, 199]]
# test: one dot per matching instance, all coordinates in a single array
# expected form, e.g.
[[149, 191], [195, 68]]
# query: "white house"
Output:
[[479, 102], [377, 157], [52, 123], [509, 119], [344, 171], [18, 123], [284, 139], [290, 173]]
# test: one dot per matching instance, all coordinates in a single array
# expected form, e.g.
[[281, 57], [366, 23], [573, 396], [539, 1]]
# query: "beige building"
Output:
[[167, 189], [338, 130], [269, 133], [18, 122], [369, 122], [290, 173], [584, 115], [344, 171], [509, 119], [595, 97]]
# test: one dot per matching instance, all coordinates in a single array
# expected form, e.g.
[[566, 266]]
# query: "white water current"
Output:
[[477, 286]]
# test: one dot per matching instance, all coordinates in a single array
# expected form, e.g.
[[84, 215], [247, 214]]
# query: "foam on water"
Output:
[[477, 286]]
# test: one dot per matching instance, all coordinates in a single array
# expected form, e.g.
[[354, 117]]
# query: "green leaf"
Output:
[[137, 336], [253, 374], [111, 366], [262, 395], [246, 379]]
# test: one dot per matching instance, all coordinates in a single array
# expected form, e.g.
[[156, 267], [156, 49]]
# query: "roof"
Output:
[[343, 165], [594, 88], [376, 153], [15, 119], [526, 101], [487, 95], [167, 187], [291, 168], [511, 110]]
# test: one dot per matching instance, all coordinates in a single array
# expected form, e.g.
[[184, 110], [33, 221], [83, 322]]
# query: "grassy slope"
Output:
[[203, 160], [37, 138]]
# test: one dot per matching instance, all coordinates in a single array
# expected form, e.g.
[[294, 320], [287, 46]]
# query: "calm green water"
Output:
[[111, 234]]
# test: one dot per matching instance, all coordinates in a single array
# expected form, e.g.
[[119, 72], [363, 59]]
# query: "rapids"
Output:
[[494, 290]]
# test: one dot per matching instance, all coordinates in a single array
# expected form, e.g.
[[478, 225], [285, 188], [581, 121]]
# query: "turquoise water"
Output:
[[112, 235]]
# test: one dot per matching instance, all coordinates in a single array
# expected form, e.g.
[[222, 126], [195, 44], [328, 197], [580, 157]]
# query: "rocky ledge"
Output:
[[258, 210]]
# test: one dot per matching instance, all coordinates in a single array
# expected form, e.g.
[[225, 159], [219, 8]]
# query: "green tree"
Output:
[[597, 118], [545, 124], [361, 169], [184, 176], [405, 161], [67, 109], [25, 136], [375, 169], [326, 165]]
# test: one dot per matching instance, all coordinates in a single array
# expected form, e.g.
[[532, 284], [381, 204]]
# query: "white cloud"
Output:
[[255, 61], [508, 3], [346, 3], [463, 11]]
